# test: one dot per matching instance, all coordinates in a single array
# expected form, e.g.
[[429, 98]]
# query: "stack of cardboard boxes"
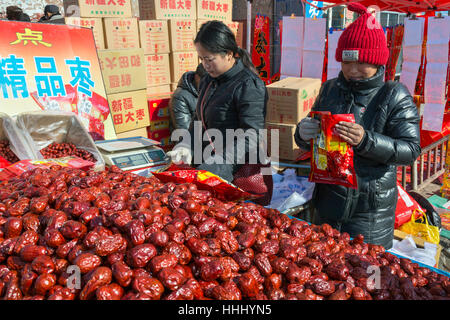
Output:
[[290, 100], [122, 62], [145, 46]]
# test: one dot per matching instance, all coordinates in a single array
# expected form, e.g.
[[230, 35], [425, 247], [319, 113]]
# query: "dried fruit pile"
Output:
[[60, 150], [6, 152], [132, 237]]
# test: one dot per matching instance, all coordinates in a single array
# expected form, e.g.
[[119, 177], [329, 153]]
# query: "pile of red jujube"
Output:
[[6, 152], [129, 237], [60, 150]]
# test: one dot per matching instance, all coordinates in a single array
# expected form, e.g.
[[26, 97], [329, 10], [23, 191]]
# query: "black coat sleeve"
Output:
[[400, 142], [181, 110]]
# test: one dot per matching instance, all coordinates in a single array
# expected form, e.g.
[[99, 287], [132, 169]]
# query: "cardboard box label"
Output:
[[157, 69], [154, 36], [121, 33], [95, 24], [97, 8], [129, 110], [122, 70], [182, 34], [291, 99], [215, 10], [167, 9], [182, 62]]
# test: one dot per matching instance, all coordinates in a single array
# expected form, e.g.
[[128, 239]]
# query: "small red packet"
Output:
[[332, 158], [19, 167], [205, 180]]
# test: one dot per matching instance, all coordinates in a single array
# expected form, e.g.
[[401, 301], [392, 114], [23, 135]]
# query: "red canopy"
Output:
[[406, 6]]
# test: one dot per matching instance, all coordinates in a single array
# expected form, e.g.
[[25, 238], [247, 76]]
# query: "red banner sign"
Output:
[[261, 47], [51, 67]]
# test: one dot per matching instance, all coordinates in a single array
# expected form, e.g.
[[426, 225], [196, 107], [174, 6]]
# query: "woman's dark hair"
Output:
[[217, 38], [13, 13], [24, 17], [200, 71]]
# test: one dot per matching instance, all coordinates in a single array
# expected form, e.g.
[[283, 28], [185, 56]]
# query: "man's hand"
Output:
[[352, 133]]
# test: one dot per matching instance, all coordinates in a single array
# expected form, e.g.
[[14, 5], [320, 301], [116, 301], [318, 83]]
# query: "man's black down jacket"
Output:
[[391, 122], [183, 102]]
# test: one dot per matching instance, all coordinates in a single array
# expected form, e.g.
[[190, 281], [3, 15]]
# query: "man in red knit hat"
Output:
[[386, 134]]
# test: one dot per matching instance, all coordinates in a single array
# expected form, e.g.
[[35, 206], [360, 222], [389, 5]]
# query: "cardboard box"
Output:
[[173, 86], [215, 10], [167, 9], [182, 34], [121, 33], [154, 36], [240, 34], [233, 25], [291, 99], [122, 70], [157, 69], [159, 91], [158, 108], [129, 110], [181, 62], [97, 8], [288, 149], [142, 132], [95, 24]]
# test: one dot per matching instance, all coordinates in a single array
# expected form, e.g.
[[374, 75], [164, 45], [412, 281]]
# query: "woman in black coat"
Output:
[[386, 134], [232, 100]]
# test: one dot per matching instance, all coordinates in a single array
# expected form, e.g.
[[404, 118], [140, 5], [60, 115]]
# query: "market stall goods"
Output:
[[6, 152], [60, 150], [131, 237]]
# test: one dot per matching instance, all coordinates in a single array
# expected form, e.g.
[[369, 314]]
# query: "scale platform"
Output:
[[138, 154]]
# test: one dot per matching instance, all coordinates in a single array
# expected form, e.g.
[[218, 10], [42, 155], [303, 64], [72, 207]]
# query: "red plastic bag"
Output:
[[332, 158], [19, 167], [205, 180], [406, 205], [4, 163]]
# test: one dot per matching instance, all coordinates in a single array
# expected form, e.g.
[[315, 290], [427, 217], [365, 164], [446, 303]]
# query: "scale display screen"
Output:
[[156, 156], [130, 161]]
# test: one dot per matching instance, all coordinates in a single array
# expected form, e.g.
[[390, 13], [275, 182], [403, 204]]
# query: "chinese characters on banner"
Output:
[[261, 47], [51, 67]]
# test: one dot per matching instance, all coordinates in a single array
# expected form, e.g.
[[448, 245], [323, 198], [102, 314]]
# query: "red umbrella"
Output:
[[406, 6]]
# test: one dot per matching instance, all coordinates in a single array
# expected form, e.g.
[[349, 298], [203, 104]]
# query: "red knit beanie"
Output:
[[363, 40]]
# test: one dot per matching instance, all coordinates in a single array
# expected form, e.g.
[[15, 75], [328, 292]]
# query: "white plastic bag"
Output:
[[18, 142], [290, 191], [47, 127], [408, 249]]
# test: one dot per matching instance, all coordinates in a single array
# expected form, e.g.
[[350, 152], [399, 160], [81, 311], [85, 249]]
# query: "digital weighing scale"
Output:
[[137, 154]]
